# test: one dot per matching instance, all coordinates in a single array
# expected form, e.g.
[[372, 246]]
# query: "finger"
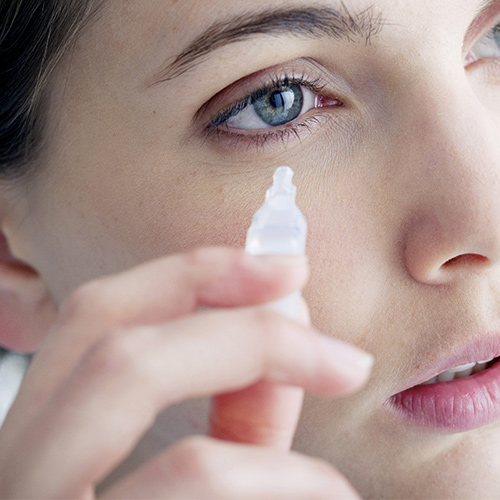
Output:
[[177, 285], [121, 385], [154, 293], [204, 468], [262, 414]]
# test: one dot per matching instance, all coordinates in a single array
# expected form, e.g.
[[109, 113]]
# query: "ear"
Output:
[[26, 308]]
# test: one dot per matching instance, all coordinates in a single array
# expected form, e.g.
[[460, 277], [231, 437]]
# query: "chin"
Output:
[[384, 458]]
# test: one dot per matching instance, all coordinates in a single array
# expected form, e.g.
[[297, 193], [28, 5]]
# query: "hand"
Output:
[[125, 347]]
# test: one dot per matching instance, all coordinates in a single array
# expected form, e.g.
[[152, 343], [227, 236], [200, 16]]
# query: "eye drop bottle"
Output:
[[279, 228]]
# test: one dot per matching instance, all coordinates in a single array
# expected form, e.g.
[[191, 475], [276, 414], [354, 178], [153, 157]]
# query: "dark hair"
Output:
[[34, 34]]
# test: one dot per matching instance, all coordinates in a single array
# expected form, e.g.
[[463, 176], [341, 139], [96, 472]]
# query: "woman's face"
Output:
[[391, 124]]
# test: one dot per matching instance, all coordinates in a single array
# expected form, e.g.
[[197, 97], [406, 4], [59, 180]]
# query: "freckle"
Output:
[[154, 111]]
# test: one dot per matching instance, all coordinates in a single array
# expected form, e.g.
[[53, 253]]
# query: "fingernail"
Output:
[[346, 354]]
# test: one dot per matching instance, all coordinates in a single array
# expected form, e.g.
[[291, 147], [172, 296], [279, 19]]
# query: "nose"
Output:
[[453, 224]]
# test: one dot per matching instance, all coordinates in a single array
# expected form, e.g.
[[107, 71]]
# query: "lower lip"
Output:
[[455, 406]]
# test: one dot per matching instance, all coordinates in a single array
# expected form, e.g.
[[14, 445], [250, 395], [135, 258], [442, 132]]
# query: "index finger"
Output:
[[152, 293], [265, 414]]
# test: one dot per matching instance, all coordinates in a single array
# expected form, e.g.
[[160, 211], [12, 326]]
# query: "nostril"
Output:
[[467, 258], [440, 252]]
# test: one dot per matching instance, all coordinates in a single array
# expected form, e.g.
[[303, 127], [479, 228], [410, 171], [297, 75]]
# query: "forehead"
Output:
[[135, 40], [182, 14], [172, 25]]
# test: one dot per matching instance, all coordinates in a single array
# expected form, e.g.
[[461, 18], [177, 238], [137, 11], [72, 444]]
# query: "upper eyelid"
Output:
[[486, 21], [470, 56], [250, 84]]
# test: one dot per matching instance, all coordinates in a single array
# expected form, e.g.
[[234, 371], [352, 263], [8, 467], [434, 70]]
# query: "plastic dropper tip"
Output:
[[282, 177], [282, 183]]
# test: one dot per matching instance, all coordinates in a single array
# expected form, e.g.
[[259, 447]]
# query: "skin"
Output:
[[395, 185]]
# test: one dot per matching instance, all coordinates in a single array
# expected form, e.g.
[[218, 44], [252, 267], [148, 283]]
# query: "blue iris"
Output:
[[281, 105]]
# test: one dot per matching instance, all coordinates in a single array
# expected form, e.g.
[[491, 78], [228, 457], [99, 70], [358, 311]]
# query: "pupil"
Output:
[[280, 105], [277, 100]]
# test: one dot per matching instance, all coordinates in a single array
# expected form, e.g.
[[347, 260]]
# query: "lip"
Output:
[[458, 405]]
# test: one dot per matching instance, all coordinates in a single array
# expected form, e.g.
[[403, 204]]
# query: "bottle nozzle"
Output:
[[282, 184], [278, 227]]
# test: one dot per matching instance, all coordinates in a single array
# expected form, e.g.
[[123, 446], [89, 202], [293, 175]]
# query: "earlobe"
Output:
[[26, 308]]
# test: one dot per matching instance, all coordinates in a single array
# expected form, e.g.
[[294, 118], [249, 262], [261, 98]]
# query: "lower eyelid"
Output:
[[269, 139]]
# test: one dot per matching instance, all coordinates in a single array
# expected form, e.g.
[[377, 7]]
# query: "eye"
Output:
[[487, 47], [269, 107], [279, 110]]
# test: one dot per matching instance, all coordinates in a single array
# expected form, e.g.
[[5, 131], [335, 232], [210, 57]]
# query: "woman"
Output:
[[137, 134]]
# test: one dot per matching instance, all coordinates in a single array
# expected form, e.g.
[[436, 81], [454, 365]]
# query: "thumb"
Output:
[[264, 413]]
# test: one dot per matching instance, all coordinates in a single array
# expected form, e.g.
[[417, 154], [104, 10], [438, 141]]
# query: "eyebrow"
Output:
[[308, 22]]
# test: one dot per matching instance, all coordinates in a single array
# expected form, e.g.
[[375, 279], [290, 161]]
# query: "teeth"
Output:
[[460, 371], [446, 376], [486, 360], [464, 373], [461, 368], [480, 366], [431, 381]]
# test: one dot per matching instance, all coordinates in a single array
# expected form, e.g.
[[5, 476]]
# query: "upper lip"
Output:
[[482, 348]]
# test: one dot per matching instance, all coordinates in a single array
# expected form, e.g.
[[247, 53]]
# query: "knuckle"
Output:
[[193, 459], [91, 299], [192, 266], [214, 467], [281, 349], [112, 354], [195, 258], [272, 325], [213, 258]]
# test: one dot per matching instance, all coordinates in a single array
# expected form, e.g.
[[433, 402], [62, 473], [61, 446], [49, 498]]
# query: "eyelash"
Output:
[[217, 125]]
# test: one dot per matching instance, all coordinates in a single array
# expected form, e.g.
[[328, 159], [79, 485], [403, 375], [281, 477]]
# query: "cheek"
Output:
[[196, 212], [94, 221], [348, 251], [99, 210]]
